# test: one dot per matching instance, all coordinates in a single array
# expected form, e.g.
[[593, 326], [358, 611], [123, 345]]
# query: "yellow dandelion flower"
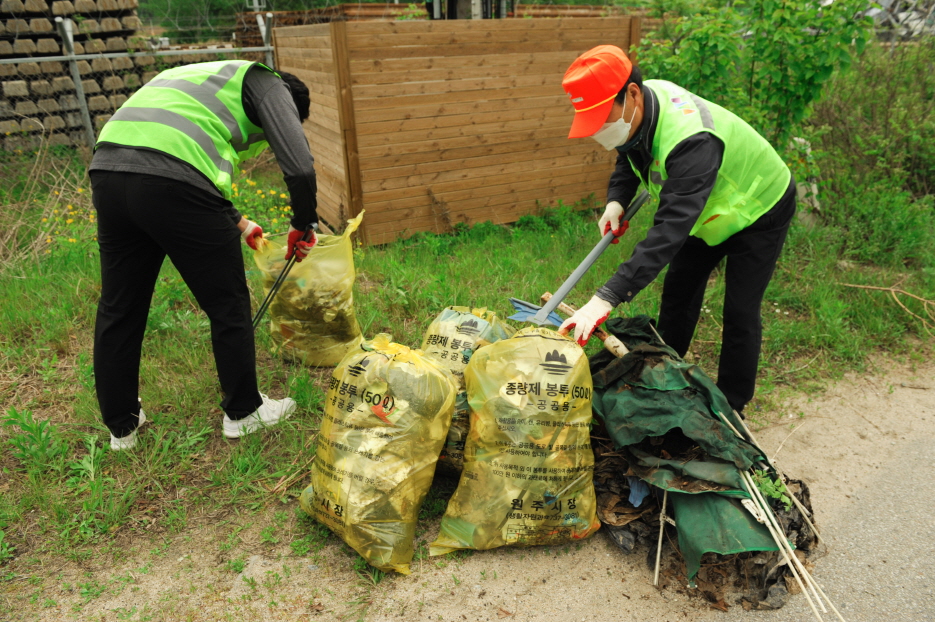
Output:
[[80, 190], [55, 211], [275, 220], [69, 221], [69, 207], [56, 193], [259, 191], [48, 240], [45, 220], [72, 240], [283, 196]]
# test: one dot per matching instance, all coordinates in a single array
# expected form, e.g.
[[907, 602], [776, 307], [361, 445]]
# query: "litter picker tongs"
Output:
[[542, 314], [261, 311]]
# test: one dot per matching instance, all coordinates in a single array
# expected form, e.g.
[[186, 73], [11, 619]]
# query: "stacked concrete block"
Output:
[[38, 97]]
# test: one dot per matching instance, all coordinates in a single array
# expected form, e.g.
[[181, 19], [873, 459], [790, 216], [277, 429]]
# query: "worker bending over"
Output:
[[723, 191], [162, 177]]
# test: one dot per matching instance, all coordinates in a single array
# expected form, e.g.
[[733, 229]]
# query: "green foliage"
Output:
[[877, 120], [367, 572], [6, 549], [772, 488], [237, 565], [36, 444], [765, 60]]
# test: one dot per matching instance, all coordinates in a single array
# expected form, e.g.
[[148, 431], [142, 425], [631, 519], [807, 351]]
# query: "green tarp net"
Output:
[[650, 393]]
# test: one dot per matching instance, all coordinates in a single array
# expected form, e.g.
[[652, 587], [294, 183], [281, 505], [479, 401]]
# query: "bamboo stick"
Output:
[[779, 539], [662, 526]]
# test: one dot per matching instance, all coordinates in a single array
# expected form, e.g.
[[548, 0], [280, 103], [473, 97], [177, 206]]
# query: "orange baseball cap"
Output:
[[592, 82]]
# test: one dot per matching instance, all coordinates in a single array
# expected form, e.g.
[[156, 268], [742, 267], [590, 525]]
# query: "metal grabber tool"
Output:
[[261, 311]]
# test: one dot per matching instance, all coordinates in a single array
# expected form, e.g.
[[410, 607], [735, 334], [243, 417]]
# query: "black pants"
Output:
[[751, 259], [141, 219]]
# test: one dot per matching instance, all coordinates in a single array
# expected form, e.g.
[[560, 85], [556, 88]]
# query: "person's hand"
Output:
[[251, 233], [586, 319], [610, 221], [295, 245]]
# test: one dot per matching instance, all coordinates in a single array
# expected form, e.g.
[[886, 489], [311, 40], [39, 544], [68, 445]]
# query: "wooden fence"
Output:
[[426, 124]]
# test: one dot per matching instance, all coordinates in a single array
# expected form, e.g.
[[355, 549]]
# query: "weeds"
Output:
[[367, 572], [36, 444]]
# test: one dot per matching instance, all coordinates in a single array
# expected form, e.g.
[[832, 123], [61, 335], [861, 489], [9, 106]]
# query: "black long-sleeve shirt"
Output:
[[268, 104], [692, 168]]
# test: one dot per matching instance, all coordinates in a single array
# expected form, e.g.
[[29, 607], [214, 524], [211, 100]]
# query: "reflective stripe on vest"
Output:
[[752, 176], [204, 103], [206, 94]]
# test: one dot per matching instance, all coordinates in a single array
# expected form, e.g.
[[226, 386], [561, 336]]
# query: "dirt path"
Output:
[[865, 447]]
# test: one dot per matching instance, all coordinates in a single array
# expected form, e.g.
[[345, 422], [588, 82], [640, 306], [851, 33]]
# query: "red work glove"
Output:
[[623, 229], [296, 246], [252, 234]]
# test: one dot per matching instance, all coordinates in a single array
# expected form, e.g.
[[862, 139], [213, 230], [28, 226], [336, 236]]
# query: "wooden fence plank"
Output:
[[407, 93], [458, 38], [514, 152], [432, 111], [384, 156], [411, 104], [551, 25], [439, 187], [462, 200], [442, 221], [576, 47], [518, 168], [489, 72], [494, 62], [461, 124], [348, 122]]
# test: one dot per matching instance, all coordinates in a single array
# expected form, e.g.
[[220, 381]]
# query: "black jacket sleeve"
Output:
[[692, 168], [269, 99], [623, 182]]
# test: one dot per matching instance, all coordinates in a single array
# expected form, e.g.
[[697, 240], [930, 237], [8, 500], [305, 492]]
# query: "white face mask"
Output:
[[614, 134]]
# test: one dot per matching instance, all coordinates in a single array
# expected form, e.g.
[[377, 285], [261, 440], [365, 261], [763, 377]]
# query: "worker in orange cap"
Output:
[[723, 192]]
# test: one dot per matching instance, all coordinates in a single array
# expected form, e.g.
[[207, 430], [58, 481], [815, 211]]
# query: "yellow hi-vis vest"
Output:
[[194, 113], [752, 177]]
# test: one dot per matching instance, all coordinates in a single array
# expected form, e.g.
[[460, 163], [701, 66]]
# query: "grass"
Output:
[[65, 495]]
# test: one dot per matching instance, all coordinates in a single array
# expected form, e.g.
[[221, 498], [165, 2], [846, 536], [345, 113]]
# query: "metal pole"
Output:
[[266, 31], [65, 30], [436, 9]]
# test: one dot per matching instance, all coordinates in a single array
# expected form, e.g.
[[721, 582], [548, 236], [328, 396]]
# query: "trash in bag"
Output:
[[312, 318], [385, 420], [450, 341], [528, 463]]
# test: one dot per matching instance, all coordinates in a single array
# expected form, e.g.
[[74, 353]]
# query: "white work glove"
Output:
[[586, 319], [610, 221], [251, 233]]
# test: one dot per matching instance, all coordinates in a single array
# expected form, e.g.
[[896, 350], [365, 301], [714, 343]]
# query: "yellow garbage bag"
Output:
[[450, 341], [386, 417], [528, 462], [312, 318]]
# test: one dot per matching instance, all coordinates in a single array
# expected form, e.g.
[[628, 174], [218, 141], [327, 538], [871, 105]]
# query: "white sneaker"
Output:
[[128, 441], [269, 413]]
